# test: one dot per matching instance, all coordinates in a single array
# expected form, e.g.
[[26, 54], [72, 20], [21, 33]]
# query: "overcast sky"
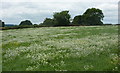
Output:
[[14, 11]]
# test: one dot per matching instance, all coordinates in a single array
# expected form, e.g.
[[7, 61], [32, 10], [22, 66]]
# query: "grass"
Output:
[[83, 48], [0, 61]]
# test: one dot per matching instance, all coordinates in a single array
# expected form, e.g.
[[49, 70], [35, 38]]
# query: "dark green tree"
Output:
[[62, 18], [49, 22], [77, 20], [2, 24], [93, 16], [26, 22]]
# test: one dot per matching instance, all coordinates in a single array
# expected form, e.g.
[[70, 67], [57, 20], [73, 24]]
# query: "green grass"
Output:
[[1, 59], [83, 48]]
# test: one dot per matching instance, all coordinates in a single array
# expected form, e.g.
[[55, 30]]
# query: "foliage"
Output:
[[2, 24], [26, 22], [49, 22], [62, 18], [93, 16], [77, 20]]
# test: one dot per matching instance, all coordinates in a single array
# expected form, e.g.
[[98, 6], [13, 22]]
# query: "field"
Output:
[[0, 52], [83, 48]]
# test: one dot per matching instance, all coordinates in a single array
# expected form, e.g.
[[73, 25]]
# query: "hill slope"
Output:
[[85, 48]]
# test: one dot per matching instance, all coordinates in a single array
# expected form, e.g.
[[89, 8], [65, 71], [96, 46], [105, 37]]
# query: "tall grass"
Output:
[[85, 48]]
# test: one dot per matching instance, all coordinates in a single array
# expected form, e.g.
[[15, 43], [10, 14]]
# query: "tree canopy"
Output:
[[49, 22], [26, 22], [62, 18], [92, 16], [2, 24], [77, 20]]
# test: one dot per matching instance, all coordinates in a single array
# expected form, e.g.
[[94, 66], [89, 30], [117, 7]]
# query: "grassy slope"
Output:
[[60, 48], [0, 52]]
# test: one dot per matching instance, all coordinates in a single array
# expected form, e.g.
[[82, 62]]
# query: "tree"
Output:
[[62, 18], [2, 24], [26, 22], [77, 20], [49, 22], [93, 16]]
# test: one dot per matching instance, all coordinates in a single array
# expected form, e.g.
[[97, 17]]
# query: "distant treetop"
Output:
[[92, 16], [26, 22]]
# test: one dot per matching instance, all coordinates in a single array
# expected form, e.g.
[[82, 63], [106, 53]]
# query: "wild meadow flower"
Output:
[[45, 46]]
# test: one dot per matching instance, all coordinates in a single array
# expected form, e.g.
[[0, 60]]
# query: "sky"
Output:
[[15, 11]]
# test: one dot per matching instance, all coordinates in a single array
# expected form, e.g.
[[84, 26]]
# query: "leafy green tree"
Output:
[[77, 20], [93, 16], [49, 22], [3, 24], [62, 18], [26, 22]]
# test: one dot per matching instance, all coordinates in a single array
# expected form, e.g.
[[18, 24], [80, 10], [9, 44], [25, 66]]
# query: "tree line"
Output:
[[92, 16]]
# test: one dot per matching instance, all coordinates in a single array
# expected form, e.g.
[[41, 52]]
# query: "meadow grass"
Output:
[[0, 59], [83, 48]]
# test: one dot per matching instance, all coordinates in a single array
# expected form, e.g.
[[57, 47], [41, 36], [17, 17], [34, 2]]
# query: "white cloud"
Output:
[[59, 0], [38, 10], [108, 6]]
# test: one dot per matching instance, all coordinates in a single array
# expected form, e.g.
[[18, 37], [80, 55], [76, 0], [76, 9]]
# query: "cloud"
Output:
[[110, 11], [13, 11], [59, 1]]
